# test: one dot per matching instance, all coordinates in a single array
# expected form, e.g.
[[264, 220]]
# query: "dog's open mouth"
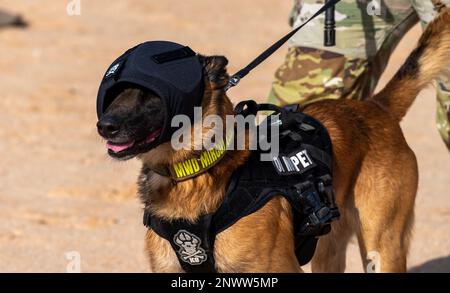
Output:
[[133, 147]]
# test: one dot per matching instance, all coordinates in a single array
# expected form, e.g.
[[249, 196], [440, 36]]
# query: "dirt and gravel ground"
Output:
[[59, 192]]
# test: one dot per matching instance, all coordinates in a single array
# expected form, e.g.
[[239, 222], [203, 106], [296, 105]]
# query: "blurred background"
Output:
[[60, 192]]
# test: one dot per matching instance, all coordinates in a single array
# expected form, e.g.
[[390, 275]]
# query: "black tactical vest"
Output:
[[302, 173]]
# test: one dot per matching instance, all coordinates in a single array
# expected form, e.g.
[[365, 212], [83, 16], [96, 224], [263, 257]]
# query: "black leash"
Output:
[[234, 80]]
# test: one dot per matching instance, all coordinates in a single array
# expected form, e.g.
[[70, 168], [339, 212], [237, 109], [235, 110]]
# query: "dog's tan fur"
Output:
[[375, 178]]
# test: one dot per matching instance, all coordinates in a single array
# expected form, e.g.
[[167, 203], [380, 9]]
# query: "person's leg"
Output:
[[427, 12], [443, 111], [309, 75], [352, 68]]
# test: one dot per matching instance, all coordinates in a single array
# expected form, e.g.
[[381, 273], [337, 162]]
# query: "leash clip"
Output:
[[234, 80]]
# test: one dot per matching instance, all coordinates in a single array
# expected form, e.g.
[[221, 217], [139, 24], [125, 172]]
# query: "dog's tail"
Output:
[[426, 62]]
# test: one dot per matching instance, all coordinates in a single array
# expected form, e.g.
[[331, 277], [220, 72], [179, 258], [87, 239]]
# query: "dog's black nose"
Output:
[[108, 127]]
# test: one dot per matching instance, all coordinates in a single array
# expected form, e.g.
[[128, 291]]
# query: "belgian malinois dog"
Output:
[[375, 171]]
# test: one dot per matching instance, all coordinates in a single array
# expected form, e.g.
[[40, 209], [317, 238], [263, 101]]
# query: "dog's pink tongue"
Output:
[[118, 147]]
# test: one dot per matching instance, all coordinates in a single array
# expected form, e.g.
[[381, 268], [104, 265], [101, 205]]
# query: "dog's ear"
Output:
[[215, 71]]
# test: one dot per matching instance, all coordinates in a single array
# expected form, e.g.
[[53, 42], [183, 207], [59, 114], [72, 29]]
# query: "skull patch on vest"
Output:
[[190, 251]]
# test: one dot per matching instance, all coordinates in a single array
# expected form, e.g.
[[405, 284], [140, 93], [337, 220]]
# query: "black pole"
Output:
[[330, 27]]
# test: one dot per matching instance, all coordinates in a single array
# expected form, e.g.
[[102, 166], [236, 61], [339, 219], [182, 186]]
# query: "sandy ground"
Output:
[[59, 192]]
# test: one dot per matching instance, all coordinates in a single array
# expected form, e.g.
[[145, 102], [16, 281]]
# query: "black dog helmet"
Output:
[[170, 70]]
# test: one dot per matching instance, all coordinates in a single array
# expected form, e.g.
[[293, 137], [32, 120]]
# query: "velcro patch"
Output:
[[296, 163], [165, 57]]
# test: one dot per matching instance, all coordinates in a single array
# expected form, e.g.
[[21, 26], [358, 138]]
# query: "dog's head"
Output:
[[133, 122]]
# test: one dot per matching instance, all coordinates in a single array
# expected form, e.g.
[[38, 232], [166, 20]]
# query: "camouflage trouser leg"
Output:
[[309, 75], [426, 12], [443, 112]]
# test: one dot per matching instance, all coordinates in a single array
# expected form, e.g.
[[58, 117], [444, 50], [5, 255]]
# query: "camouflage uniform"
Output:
[[367, 34]]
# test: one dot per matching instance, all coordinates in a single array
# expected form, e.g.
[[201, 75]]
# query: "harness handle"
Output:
[[251, 107], [288, 114]]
